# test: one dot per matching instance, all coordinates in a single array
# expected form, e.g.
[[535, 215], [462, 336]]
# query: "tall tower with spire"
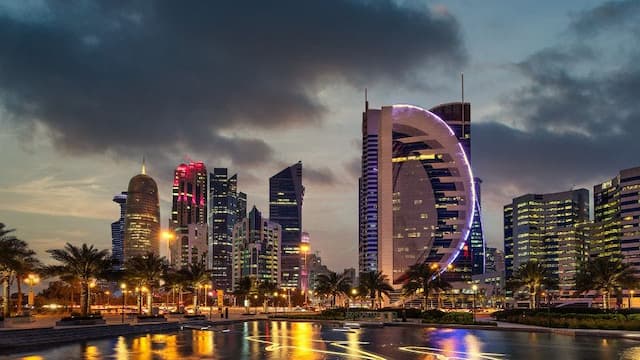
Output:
[[142, 217]]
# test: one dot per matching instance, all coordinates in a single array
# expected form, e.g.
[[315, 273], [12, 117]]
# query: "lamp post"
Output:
[[92, 285], [630, 296], [475, 290], [354, 293], [275, 301], [32, 279], [123, 287]]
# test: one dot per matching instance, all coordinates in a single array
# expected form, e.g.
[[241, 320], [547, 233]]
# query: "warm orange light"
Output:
[[32, 279], [354, 291], [167, 235], [123, 286], [434, 266], [304, 248]]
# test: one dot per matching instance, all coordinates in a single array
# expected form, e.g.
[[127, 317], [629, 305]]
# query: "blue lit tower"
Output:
[[285, 208], [117, 231], [471, 260]]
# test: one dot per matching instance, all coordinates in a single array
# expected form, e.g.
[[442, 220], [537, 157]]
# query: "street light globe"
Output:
[[123, 286], [354, 291], [275, 293], [474, 287]]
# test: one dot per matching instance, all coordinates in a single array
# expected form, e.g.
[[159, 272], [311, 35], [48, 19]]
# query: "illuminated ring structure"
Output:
[[433, 190]]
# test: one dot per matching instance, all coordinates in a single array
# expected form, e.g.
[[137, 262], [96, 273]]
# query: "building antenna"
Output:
[[144, 168], [366, 101], [462, 107]]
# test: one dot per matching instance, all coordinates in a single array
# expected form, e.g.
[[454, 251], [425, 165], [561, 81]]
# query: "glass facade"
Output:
[[224, 213], [256, 249], [117, 232], [142, 217], [189, 215], [285, 208], [548, 228], [433, 191]]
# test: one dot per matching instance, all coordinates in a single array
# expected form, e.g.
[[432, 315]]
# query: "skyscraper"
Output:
[[548, 228], [117, 232], [225, 210], [256, 249], [142, 217], [189, 215], [417, 193], [285, 207], [617, 218], [471, 260]]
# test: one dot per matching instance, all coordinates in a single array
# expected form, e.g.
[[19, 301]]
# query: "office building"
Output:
[[548, 228], [256, 249], [225, 210], [417, 192], [471, 259], [142, 217], [616, 228], [189, 215], [285, 208], [117, 232]]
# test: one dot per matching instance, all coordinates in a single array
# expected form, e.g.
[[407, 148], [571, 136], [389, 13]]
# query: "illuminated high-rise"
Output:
[[117, 231], [226, 208], [285, 208], [256, 249], [189, 215], [471, 260], [142, 217], [617, 218], [548, 228], [417, 192]]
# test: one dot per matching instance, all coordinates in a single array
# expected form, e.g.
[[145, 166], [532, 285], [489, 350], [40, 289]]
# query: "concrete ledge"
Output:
[[80, 322]]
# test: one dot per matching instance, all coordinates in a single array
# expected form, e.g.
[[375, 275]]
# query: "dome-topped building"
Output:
[[142, 217]]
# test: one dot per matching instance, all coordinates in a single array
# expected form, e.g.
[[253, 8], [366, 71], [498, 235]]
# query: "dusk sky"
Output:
[[88, 89]]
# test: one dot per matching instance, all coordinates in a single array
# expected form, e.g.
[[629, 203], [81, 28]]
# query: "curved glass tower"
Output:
[[142, 217]]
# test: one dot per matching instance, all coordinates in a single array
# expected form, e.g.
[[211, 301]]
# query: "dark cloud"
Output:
[[575, 122], [320, 176], [353, 167], [125, 77], [609, 15]]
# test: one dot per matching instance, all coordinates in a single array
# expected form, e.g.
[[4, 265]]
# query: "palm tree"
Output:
[[332, 284], [605, 275], [146, 271], [195, 275], [14, 254], [243, 287], [533, 276], [26, 264], [83, 263], [425, 277], [375, 284], [265, 290], [174, 281]]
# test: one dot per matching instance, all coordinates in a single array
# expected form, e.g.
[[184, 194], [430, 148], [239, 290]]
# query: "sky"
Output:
[[87, 89]]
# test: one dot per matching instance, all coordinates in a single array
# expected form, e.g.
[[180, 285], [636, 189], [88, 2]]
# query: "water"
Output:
[[305, 340]]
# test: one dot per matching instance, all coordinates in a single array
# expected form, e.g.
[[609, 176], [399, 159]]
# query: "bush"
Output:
[[76, 316], [576, 319]]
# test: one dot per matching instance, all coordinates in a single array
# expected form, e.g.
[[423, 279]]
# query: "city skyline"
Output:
[[529, 100]]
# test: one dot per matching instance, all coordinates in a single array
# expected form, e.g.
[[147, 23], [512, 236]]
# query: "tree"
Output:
[[266, 290], [26, 264], [332, 284], [146, 271], [425, 277], [195, 275], [375, 284], [534, 277], [605, 275], [243, 287], [83, 263], [15, 255]]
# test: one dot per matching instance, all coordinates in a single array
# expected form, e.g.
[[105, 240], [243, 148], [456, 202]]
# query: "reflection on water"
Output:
[[304, 340]]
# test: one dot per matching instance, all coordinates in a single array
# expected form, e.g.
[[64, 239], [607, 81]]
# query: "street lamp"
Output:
[[32, 279], [304, 247], [631, 292], [123, 287], [475, 290], [92, 285]]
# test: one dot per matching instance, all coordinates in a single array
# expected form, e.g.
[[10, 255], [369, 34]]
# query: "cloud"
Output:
[[132, 77], [609, 15]]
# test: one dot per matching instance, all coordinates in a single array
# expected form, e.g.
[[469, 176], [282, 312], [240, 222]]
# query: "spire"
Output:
[[144, 168]]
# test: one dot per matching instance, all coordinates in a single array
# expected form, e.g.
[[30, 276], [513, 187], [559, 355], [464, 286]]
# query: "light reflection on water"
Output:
[[305, 340]]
